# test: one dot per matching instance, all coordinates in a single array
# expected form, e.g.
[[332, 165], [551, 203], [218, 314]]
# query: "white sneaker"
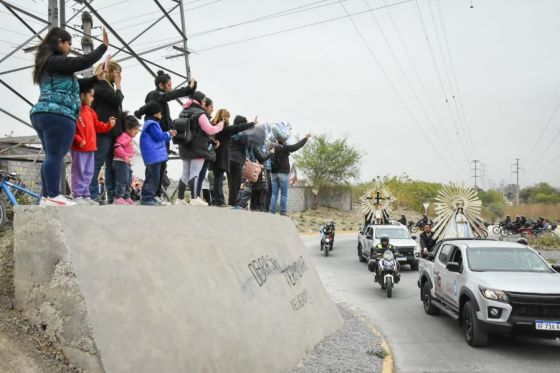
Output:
[[80, 201], [91, 201], [198, 202], [59, 200], [181, 202], [161, 202]]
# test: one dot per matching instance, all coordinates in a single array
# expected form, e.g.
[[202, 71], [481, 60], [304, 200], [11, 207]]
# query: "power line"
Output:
[[413, 64], [450, 85], [372, 54], [452, 65], [409, 83], [543, 130], [438, 73]]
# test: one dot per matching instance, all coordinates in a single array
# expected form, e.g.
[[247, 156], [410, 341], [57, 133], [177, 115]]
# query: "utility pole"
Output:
[[62, 10], [475, 169], [53, 14], [516, 172], [184, 29]]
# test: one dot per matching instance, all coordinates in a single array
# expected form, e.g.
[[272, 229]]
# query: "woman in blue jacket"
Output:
[[153, 145], [54, 115]]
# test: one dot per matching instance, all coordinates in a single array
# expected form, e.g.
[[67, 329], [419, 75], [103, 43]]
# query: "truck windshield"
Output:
[[393, 233], [505, 259]]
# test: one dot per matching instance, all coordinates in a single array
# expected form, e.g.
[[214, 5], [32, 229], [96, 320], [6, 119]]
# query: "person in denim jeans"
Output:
[[153, 145], [280, 173], [122, 161]]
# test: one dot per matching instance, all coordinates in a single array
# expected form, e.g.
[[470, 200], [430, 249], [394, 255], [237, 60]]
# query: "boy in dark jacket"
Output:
[[153, 145], [281, 171]]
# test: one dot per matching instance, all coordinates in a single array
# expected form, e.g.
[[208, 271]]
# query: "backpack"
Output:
[[184, 129]]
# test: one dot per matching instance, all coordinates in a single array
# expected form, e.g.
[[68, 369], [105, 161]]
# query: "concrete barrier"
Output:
[[170, 289]]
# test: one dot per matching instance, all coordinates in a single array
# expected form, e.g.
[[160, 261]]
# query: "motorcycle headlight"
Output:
[[327, 239], [494, 294]]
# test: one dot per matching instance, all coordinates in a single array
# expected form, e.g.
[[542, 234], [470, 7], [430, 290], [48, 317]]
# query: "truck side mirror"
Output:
[[414, 237], [369, 236], [556, 267], [453, 267]]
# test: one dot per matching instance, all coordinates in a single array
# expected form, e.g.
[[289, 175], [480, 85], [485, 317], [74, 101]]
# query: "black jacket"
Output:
[[108, 103], [163, 98], [427, 242], [281, 158], [199, 146], [223, 151]]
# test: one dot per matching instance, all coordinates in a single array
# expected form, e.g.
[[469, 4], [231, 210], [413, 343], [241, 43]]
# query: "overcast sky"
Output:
[[497, 65]]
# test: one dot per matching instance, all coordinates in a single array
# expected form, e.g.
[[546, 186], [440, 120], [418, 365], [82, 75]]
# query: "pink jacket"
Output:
[[204, 122], [124, 148]]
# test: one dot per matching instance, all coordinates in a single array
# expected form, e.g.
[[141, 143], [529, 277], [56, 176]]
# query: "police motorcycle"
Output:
[[327, 238], [385, 265]]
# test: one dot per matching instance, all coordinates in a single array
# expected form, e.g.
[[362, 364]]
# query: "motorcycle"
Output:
[[387, 271], [327, 242]]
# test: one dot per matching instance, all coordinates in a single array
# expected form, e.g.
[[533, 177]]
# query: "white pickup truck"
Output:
[[491, 287], [399, 237]]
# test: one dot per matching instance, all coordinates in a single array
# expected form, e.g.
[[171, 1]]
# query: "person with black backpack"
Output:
[[194, 145]]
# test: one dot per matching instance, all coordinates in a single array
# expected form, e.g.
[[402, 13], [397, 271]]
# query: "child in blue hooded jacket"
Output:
[[153, 145]]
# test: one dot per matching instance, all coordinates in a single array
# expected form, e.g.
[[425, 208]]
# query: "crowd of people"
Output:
[[86, 117], [521, 224]]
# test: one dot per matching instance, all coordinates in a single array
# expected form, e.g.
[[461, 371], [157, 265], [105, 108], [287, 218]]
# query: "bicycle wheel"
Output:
[[497, 229], [3, 213]]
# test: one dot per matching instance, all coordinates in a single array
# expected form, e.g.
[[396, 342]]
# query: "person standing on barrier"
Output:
[[107, 103], [237, 156], [196, 152], [222, 162], [54, 115], [153, 145], [164, 93], [85, 144], [122, 161], [280, 173]]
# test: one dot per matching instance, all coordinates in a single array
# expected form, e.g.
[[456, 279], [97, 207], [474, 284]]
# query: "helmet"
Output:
[[384, 237], [522, 241]]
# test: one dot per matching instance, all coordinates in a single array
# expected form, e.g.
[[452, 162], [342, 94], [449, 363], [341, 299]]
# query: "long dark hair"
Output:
[[47, 48]]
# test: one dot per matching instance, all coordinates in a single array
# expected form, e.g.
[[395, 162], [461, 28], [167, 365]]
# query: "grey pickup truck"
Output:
[[491, 287]]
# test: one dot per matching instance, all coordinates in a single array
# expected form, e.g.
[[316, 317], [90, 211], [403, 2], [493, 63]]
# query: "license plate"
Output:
[[402, 259], [547, 325]]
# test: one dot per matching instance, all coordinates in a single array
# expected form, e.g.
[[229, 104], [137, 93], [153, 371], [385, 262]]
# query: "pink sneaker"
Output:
[[130, 201], [120, 201]]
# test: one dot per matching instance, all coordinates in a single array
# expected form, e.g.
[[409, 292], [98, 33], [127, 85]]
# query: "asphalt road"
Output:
[[422, 343]]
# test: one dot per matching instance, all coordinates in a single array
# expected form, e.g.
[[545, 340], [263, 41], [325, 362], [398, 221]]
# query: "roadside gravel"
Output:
[[353, 349]]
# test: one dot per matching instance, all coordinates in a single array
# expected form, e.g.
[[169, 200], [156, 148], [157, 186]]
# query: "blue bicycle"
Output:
[[6, 186]]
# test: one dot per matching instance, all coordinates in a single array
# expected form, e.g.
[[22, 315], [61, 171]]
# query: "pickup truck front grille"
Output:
[[535, 305], [406, 251]]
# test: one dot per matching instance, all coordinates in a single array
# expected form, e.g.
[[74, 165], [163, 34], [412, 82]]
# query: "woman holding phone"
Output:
[[107, 103], [54, 115]]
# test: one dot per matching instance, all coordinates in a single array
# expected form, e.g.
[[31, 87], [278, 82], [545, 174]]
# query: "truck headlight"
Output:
[[493, 294]]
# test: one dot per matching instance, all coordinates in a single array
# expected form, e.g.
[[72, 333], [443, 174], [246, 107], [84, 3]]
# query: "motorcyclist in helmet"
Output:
[[326, 229], [378, 250]]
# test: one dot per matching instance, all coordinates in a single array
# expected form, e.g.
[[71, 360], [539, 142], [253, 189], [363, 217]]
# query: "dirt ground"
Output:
[[309, 221], [22, 348]]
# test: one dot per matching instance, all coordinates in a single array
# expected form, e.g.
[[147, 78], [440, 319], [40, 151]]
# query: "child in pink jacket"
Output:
[[122, 161]]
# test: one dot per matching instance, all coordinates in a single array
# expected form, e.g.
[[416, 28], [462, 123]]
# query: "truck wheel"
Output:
[[473, 333], [429, 308], [414, 265], [360, 255], [389, 287]]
